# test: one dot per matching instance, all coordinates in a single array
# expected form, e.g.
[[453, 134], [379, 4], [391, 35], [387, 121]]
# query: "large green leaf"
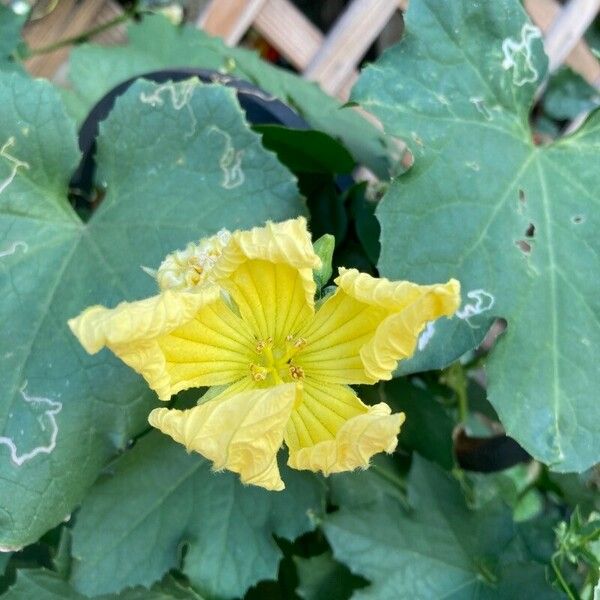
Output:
[[439, 549], [41, 584], [135, 524], [515, 223], [156, 44], [178, 162]]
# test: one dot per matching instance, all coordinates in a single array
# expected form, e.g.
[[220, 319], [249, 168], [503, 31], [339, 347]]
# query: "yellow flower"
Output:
[[283, 368]]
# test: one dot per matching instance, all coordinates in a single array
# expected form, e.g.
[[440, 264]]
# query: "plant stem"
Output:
[[79, 38], [456, 379], [561, 579], [396, 482]]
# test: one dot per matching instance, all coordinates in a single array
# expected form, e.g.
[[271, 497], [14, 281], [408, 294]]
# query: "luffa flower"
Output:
[[282, 368]]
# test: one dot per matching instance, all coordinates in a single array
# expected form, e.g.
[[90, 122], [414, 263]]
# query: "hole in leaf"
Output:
[[577, 219], [407, 160], [523, 246], [496, 330], [530, 231]]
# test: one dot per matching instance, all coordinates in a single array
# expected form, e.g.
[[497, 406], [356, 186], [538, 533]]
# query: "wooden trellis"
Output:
[[332, 59]]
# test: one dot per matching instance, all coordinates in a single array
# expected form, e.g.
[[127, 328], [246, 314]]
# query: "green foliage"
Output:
[[160, 157], [91, 504], [514, 222], [568, 95], [428, 427], [323, 578], [306, 150], [156, 44], [46, 585], [438, 548], [165, 509], [578, 547]]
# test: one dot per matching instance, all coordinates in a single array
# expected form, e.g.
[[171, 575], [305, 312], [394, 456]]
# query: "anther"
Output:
[[262, 344], [258, 373], [296, 372], [300, 343]]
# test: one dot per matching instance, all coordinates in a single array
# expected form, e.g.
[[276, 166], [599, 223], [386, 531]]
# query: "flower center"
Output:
[[275, 362]]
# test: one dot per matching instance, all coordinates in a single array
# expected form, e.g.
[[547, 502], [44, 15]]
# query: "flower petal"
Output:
[[241, 433], [369, 324], [268, 272], [333, 431], [176, 340]]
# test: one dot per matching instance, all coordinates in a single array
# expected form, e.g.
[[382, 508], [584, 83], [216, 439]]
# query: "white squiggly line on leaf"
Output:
[[15, 163], [230, 162], [512, 49], [180, 93], [483, 302], [50, 413], [13, 248]]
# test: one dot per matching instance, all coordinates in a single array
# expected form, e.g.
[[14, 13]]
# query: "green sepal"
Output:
[[323, 248]]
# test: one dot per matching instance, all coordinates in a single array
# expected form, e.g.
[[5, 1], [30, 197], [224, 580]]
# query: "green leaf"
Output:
[[568, 95], [42, 584], [384, 479], [366, 225], [10, 37], [515, 223], [439, 549], [326, 206], [306, 150], [157, 44], [323, 578], [428, 426], [160, 500], [178, 163]]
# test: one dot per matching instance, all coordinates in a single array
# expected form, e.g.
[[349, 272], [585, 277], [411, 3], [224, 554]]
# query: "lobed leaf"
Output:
[[516, 223], [42, 584], [178, 162], [439, 549], [162, 508]]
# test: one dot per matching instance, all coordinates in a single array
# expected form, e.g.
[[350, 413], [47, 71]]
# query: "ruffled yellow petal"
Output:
[[98, 326], [268, 272], [241, 433], [190, 267], [369, 324], [176, 340], [332, 431]]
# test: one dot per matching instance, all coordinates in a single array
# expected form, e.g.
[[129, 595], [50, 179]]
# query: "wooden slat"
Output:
[[69, 18], [230, 19], [288, 30], [348, 41], [567, 30], [114, 35]]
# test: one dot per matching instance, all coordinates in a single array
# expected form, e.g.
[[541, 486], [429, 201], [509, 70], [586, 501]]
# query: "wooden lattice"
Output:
[[331, 60]]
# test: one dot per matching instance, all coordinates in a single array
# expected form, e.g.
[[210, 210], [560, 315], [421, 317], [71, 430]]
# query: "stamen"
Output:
[[299, 343], [258, 373], [262, 344], [296, 372]]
